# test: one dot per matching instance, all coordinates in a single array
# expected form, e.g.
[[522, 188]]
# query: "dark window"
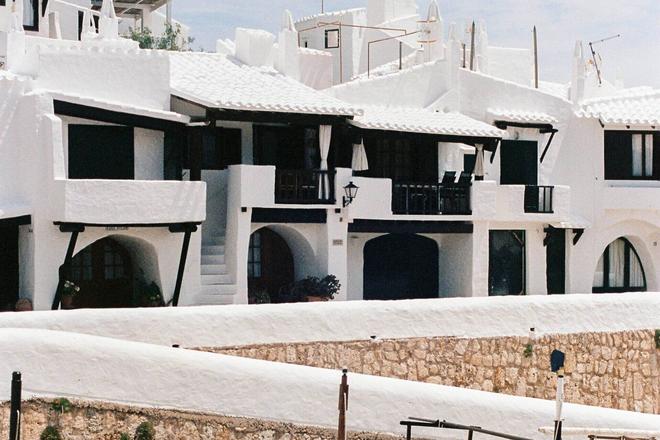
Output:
[[469, 161], [8, 266], [506, 263], [220, 148], [402, 158], [287, 148], [101, 152], [332, 37], [632, 156], [254, 256], [2, 3], [31, 15], [174, 149], [619, 269], [518, 163]]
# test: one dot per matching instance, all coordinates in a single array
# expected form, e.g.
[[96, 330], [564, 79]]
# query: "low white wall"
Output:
[[355, 320], [70, 365], [128, 201]]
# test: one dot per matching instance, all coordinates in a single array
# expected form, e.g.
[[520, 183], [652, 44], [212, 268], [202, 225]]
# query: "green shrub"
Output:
[[529, 351], [50, 433], [311, 286], [124, 436], [61, 405], [145, 431], [657, 339]]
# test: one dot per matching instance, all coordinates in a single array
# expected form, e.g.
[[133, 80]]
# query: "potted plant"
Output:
[[260, 296], [69, 293], [312, 289]]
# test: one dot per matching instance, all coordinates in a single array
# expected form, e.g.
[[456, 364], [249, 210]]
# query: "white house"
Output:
[[221, 177]]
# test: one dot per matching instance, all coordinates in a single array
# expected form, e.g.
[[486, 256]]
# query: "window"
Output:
[[31, 15], [403, 159], [332, 37], [219, 149], [254, 256], [101, 152], [632, 156], [506, 263], [619, 269], [518, 162]]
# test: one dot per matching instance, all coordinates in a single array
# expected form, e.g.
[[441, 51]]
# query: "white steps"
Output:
[[218, 287]]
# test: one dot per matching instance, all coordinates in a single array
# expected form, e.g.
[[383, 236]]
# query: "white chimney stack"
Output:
[[288, 58], [108, 23], [578, 74], [435, 32]]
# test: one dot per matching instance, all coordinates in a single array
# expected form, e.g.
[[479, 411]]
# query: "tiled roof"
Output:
[[221, 81], [416, 120], [499, 114], [330, 14], [641, 107]]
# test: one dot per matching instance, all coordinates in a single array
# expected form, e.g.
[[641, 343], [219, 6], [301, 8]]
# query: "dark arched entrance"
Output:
[[104, 273], [270, 266], [401, 266]]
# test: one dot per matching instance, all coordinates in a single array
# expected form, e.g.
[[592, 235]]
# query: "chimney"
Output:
[[454, 55], [108, 23], [254, 47], [578, 76], [288, 58], [436, 32], [482, 47]]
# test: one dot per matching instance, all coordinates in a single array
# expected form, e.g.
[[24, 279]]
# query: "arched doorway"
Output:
[[104, 273], [401, 266], [619, 269], [270, 266]]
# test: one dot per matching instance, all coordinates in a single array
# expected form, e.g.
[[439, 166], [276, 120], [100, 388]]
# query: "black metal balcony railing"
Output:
[[304, 187], [538, 199], [431, 199]]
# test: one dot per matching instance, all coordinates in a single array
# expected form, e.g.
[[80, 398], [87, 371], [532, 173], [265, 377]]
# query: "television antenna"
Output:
[[593, 53]]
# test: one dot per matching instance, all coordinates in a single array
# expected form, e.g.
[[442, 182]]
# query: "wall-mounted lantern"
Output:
[[351, 191]]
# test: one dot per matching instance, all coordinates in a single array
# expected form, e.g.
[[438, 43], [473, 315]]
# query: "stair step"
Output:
[[213, 259], [218, 290], [214, 269], [213, 250], [209, 280], [213, 241]]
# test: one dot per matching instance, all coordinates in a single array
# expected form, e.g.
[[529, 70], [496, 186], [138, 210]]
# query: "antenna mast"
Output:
[[593, 54]]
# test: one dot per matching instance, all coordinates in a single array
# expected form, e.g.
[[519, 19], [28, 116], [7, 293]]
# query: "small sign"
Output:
[[557, 360], [337, 242], [116, 228]]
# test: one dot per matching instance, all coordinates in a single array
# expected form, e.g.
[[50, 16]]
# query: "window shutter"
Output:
[[618, 155], [656, 156]]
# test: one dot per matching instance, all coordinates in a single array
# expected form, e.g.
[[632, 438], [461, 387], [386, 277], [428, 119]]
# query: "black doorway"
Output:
[[519, 163], [270, 265], [556, 261], [401, 266], [101, 152], [506, 263], [8, 266]]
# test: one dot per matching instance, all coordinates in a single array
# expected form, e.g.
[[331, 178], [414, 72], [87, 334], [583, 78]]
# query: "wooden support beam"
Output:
[[65, 268]]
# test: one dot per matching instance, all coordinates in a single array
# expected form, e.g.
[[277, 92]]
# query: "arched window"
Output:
[[619, 269]]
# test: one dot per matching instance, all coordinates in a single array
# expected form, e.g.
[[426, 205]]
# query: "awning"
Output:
[[521, 116], [421, 120], [574, 222], [132, 7], [14, 215]]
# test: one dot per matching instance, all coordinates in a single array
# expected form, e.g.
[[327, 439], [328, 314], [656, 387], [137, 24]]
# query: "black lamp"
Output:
[[351, 192]]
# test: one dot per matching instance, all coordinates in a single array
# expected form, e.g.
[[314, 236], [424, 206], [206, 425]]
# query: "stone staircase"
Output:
[[217, 284]]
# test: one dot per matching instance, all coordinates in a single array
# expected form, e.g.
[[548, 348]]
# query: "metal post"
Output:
[[168, 9], [474, 29], [400, 55], [536, 61], [15, 408], [343, 405]]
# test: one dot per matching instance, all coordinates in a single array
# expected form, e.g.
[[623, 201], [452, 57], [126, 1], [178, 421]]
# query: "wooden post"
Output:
[[536, 61], [474, 29], [343, 405]]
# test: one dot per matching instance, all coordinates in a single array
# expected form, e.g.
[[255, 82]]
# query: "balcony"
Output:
[[129, 202], [538, 199], [431, 199], [303, 187]]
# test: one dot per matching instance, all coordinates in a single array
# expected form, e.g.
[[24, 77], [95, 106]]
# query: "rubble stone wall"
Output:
[[615, 370], [105, 421]]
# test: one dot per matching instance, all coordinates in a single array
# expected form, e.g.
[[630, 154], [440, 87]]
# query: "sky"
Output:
[[633, 58]]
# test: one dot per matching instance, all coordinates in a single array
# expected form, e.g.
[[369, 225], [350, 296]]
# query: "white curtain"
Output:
[[617, 263], [28, 12], [599, 277], [479, 162], [359, 161], [648, 153], [637, 154], [636, 271], [325, 136]]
